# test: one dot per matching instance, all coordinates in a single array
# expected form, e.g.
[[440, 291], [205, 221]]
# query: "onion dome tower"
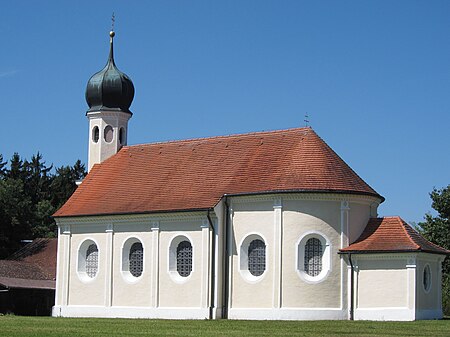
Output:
[[109, 94]]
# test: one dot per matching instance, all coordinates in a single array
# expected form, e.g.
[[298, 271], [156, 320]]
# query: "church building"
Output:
[[264, 225]]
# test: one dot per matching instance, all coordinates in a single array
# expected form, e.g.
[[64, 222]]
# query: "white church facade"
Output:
[[265, 225]]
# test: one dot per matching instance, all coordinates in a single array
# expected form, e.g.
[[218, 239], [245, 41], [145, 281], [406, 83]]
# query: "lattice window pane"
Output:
[[257, 257], [92, 260], [184, 258], [313, 257], [136, 259]]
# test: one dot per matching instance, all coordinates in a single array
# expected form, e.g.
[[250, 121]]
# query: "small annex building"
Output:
[[27, 279], [264, 225]]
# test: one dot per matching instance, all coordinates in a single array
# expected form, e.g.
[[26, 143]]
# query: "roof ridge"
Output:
[[245, 134], [197, 173], [403, 225], [421, 237]]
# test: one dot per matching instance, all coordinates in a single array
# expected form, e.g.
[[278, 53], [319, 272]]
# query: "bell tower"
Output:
[[109, 94]]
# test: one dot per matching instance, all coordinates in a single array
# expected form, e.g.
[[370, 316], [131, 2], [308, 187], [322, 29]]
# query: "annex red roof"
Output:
[[196, 174], [33, 266], [41, 253], [391, 234]]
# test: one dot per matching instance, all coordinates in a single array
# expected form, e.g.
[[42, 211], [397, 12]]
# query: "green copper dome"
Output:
[[110, 89]]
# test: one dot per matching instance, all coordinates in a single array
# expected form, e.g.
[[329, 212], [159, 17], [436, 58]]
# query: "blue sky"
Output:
[[373, 76]]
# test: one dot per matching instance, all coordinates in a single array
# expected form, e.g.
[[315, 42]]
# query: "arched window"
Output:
[[313, 257], [136, 259], [184, 258], [252, 258], [257, 257], [132, 266], [92, 260]]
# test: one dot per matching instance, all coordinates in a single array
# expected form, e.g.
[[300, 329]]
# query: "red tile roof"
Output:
[[23, 270], [391, 234], [196, 174]]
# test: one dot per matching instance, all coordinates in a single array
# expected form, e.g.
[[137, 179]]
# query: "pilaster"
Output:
[[411, 267], [277, 252], [205, 268], [65, 242], [155, 264], [345, 209], [109, 264], [230, 256]]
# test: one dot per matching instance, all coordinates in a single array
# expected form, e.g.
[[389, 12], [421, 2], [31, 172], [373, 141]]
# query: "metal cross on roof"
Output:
[[306, 120], [113, 20]]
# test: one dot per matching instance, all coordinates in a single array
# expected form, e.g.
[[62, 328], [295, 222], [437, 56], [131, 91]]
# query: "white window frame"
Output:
[[81, 260], [125, 262], [300, 257], [172, 258], [243, 257]]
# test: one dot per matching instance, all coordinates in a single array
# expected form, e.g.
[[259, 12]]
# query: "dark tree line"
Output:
[[437, 230], [30, 192]]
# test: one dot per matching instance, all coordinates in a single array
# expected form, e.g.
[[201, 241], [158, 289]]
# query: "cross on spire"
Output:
[[113, 20]]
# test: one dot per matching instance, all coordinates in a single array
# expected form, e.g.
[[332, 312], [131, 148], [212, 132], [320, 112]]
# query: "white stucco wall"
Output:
[[280, 293], [385, 286], [382, 284], [359, 215]]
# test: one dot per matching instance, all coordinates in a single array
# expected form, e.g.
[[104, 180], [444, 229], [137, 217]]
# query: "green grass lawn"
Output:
[[13, 326]]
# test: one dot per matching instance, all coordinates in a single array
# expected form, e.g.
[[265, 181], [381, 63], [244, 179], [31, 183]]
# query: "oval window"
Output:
[[427, 278]]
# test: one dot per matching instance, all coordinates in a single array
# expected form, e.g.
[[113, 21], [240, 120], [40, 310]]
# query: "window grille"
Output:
[[313, 257], [92, 260], [184, 258], [257, 257], [136, 259]]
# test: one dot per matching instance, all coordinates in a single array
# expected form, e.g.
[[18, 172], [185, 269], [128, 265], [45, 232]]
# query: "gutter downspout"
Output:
[[213, 265], [352, 285], [226, 272]]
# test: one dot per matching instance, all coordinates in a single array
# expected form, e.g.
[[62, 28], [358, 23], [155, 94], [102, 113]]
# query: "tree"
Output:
[[64, 182], [437, 230], [15, 215], [2, 167], [29, 194]]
